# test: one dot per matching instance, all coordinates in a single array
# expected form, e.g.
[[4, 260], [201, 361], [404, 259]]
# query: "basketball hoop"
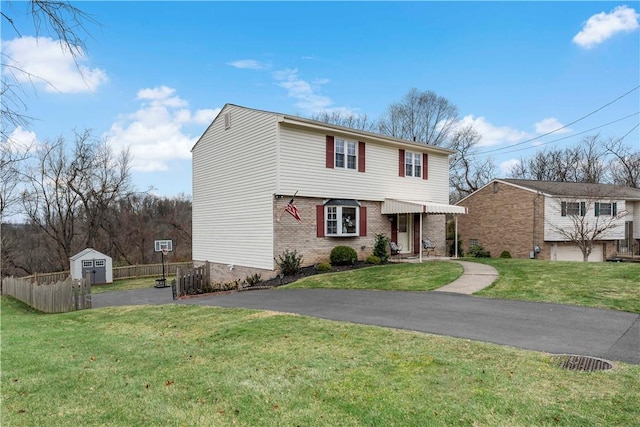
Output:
[[165, 251]]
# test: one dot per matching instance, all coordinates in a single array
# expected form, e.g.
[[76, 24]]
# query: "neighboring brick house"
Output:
[[524, 216], [349, 185]]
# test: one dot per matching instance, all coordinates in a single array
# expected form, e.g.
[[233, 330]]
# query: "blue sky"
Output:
[[157, 73]]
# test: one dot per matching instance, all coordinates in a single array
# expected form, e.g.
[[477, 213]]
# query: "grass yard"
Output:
[[607, 285], [203, 366], [390, 277], [127, 284]]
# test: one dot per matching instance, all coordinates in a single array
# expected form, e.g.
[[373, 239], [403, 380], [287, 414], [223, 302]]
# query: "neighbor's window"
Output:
[[345, 154], [573, 208], [606, 209], [341, 220], [473, 242], [413, 164]]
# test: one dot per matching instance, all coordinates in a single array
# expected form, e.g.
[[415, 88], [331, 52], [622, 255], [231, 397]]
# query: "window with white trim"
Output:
[[87, 263], [100, 263], [346, 154], [413, 164], [341, 220]]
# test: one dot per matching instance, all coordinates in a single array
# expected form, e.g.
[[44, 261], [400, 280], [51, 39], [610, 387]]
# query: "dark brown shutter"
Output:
[[401, 162], [361, 156], [319, 221], [330, 151], [363, 221], [425, 166]]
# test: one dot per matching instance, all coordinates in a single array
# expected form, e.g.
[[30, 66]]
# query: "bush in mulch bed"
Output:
[[303, 272]]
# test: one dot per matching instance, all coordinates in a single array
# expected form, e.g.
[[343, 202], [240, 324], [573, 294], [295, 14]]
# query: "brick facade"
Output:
[[503, 217], [302, 237]]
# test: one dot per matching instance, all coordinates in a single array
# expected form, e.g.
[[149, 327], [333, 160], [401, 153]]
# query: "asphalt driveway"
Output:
[[552, 328]]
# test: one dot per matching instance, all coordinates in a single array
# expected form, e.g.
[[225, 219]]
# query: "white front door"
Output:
[[405, 231]]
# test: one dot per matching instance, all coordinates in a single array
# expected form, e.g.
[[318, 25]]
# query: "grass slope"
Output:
[[203, 366]]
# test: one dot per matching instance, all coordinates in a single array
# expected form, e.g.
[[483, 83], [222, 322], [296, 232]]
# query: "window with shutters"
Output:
[[341, 218], [413, 164], [573, 208], [345, 154], [606, 209]]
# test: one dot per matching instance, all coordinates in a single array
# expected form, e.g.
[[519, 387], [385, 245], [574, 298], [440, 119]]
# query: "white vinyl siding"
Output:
[[232, 209], [308, 172], [553, 215]]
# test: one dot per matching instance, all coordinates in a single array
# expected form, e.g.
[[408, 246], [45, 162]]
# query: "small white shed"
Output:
[[89, 261]]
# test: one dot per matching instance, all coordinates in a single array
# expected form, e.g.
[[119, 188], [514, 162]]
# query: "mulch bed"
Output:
[[304, 272]]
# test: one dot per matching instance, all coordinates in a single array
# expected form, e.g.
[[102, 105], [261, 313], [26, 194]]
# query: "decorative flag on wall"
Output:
[[293, 210]]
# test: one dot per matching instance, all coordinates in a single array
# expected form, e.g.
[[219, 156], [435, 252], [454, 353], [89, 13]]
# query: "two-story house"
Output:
[[349, 185], [535, 219]]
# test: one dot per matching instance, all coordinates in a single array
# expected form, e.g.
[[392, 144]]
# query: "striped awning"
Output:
[[392, 206]]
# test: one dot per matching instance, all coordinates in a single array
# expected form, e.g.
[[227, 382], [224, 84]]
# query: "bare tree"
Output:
[[48, 201], [466, 172], [98, 178], [625, 167], [584, 229], [344, 119], [69, 192], [584, 162], [59, 19], [423, 117]]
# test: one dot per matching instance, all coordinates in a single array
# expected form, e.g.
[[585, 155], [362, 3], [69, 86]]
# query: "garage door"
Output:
[[573, 253]]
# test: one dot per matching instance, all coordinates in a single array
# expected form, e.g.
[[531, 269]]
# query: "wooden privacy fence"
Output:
[[126, 272], [148, 270], [56, 297], [192, 281]]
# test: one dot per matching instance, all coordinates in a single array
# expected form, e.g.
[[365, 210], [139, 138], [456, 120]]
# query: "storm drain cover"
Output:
[[581, 363]]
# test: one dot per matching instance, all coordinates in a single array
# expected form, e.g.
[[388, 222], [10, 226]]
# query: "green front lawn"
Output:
[[178, 365], [593, 284], [390, 277]]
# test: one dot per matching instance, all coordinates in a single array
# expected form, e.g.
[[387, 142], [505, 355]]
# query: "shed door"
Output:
[[97, 270]]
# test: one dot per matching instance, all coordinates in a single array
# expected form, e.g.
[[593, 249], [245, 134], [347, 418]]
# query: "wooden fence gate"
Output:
[[192, 281]]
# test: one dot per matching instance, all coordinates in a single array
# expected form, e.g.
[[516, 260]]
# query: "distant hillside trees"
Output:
[[80, 196]]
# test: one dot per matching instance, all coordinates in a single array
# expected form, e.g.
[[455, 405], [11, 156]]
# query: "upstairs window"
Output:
[[345, 154], [413, 164], [606, 209], [573, 208]]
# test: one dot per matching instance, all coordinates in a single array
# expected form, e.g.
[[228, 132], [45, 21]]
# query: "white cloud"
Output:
[[550, 124], [303, 91], [250, 64], [493, 135], [603, 26], [21, 141], [507, 166], [155, 133], [43, 62]]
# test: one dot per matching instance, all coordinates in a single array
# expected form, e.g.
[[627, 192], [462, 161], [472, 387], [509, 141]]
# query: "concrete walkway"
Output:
[[476, 276]]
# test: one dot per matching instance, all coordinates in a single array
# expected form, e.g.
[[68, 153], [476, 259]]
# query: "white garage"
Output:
[[571, 252]]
